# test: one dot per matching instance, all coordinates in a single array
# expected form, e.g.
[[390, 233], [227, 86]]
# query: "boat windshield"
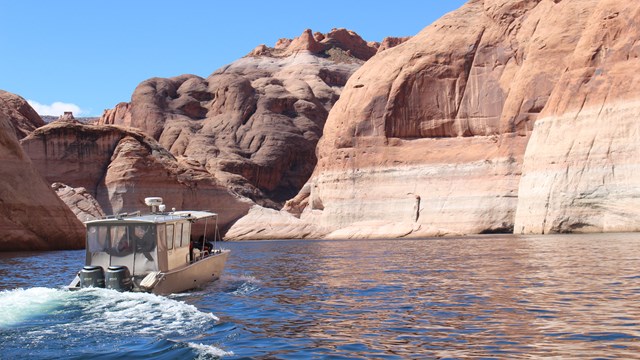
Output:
[[132, 245], [121, 240]]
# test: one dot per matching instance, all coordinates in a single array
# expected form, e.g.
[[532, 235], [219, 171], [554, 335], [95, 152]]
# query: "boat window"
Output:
[[145, 237], [97, 239], [121, 243], [162, 242], [178, 239], [186, 234], [182, 239], [169, 237]]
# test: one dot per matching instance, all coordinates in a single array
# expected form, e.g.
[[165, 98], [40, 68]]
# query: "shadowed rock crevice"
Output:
[[504, 229]]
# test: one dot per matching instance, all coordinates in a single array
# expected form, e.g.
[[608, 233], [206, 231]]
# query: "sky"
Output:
[[86, 56]]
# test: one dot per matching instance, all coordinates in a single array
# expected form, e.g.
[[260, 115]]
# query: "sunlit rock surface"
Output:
[[262, 223], [119, 167], [24, 118], [253, 124], [429, 138], [32, 217], [582, 163]]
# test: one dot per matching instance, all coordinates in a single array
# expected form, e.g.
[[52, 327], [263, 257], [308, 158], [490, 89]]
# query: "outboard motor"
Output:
[[118, 278], [91, 276]]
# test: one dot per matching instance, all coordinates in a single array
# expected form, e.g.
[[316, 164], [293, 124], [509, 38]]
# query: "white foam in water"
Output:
[[102, 310], [18, 305], [248, 284], [246, 289], [206, 351], [240, 278], [43, 315], [144, 314]]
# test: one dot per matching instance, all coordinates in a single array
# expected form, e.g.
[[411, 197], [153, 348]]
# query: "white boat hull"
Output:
[[191, 276]]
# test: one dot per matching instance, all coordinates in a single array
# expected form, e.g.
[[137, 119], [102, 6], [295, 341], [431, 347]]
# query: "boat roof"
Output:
[[155, 218]]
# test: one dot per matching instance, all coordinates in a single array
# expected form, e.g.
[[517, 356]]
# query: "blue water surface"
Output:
[[502, 297]]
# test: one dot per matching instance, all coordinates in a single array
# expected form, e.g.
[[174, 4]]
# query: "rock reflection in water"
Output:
[[565, 296]]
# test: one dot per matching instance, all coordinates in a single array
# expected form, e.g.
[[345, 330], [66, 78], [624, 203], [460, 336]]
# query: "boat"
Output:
[[151, 252]]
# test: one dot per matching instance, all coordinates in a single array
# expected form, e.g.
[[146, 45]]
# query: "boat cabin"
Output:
[[142, 243], [152, 253]]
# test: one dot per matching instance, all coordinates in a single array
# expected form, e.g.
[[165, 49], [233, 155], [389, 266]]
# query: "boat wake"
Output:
[[35, 317], [19, 305], [240, 285], [141, 313], [102, 310], [208, 351]]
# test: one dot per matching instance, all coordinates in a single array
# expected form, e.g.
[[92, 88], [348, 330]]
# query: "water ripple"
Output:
[[502, 297]]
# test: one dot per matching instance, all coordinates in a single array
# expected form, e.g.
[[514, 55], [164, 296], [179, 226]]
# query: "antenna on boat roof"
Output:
[[154, 203]]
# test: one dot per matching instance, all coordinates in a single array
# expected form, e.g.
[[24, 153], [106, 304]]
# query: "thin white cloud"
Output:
[[57, 108]]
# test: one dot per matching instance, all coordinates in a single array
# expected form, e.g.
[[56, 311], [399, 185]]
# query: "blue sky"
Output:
[[91, 55]]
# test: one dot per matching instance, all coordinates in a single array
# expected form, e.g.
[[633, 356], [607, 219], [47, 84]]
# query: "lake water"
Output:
[[504, 297]]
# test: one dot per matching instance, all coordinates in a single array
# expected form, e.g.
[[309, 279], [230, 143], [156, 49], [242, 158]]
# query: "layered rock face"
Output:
[[120, 167], [428, 138], [582, 163], [32, 217], [255, 123], [265, 224]]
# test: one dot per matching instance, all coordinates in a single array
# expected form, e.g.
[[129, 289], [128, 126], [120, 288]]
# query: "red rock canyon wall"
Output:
[[504, 115], [582, 163], [119, 167], [253, 124], [32, 217], [429, 138]]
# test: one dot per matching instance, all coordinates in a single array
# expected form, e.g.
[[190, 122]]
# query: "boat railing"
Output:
[[157, 216], [121, 215], [166, 216]]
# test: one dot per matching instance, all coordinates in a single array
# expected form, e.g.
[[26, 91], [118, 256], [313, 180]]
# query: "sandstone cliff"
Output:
[[31, 215], [505, 115], [119, 167], [429, 138], [23, 118], [582, 163], [255, 123]]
